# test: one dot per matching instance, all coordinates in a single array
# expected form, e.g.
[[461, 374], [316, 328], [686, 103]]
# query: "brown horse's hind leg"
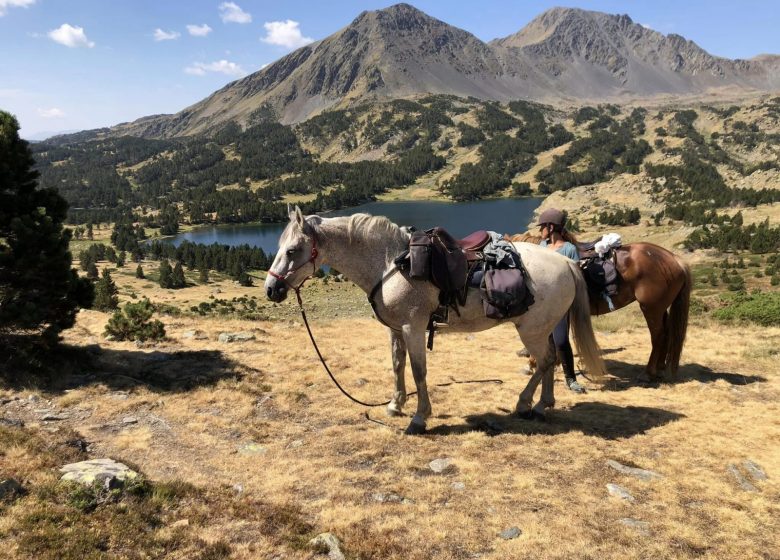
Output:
[[656, 323]]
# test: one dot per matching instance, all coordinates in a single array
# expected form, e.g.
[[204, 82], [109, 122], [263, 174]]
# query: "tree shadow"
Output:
[[607, 421], [625, 375], [68, 367]]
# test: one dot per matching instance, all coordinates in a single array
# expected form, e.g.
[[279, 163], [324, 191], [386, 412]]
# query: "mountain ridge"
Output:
[[564, 54]]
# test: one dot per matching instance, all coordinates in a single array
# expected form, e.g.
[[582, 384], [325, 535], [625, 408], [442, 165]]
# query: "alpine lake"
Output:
[[506, 215]]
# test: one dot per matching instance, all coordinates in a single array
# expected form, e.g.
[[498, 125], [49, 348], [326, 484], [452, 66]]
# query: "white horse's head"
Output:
[[296, 259]]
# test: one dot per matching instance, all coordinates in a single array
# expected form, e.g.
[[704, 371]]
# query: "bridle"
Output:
[[312, 260]]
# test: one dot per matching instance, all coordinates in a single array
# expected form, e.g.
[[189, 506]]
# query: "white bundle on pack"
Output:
[[607, 242]]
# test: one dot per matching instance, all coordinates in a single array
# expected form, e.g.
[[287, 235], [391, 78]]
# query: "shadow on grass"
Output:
[[603, 420], [29, 366], [624, 376]]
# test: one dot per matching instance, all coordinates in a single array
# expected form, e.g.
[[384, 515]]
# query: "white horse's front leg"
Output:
[[398, 350], [415, 344]]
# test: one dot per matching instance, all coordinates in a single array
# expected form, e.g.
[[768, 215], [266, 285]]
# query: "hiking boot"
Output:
[[574, 386]]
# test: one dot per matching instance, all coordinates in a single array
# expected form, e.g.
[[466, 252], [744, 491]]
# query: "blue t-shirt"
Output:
[[567, 250]]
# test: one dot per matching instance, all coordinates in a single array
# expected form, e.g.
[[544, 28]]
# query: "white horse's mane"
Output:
[[374, 228]]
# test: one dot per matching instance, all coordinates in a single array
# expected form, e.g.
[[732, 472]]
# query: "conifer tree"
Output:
[[177, 278], [165, 274], [106, 293], [139, 272], [39, 292], [92, 271], [203, 277]]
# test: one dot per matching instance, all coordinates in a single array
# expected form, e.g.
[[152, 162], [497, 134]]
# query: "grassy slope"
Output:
[[198, 402]]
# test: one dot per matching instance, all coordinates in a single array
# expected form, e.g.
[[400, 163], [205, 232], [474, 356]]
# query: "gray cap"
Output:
[[551, 216]]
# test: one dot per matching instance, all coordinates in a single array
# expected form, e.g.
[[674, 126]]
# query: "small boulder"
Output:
[[642, 474], [129, 420], [94, 470], [754, 470], [236, 337], [51, 417], [642, 527], [741, 480], [330, 543], [618, 491], [510, 533], [440, 466]]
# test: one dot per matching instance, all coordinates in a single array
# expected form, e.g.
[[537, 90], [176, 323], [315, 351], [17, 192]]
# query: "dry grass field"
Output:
[[252, 451]]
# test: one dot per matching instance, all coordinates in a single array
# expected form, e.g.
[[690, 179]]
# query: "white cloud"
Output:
[[230, 12], [160, 35], [221, 66], [199, 30], [285, 33], [70, 36], [5, 4], [53, 113]]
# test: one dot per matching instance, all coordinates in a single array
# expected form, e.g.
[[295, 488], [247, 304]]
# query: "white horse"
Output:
[[363, 248]]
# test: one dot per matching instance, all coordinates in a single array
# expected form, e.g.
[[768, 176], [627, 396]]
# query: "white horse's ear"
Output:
[[299, 217], [290, 211]]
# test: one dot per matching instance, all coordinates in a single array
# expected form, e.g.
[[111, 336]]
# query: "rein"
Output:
[[297, 290]]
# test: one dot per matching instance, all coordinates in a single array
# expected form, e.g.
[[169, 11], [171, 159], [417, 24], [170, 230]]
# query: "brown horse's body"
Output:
[[661, 283]]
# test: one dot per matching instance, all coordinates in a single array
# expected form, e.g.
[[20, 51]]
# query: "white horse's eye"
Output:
[[291, 252]]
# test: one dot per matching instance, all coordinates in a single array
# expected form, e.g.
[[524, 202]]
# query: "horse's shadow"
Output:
[[603, 420], [68, 367], [625, 375]]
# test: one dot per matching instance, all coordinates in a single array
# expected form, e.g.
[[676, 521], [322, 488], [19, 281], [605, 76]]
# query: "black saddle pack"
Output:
[[600, 273], [437, 256], [452, 264]]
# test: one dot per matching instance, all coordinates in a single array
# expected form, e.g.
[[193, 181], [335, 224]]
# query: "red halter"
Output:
[[312, 260]]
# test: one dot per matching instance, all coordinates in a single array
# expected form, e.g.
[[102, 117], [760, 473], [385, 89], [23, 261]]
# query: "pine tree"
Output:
[[106, 293], [39, 292], [203, 277], [165, 274], [139, 272], [92, 271], [177, 278], [120, 259]]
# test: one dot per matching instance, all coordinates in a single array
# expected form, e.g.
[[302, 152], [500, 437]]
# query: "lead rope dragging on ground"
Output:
[[350, 397]]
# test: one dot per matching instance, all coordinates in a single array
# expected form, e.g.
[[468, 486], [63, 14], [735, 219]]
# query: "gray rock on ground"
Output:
[[510, 533], [617, 491], [329, 542], [743, 482], [641, 474], [97, 470], [642, 527], [235, 337], [440, 466], [754, 470]]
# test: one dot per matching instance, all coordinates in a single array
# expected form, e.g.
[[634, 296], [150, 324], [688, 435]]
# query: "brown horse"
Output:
[[661, 283]]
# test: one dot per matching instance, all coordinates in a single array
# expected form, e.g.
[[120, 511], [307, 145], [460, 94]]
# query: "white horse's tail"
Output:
[[579, 318]]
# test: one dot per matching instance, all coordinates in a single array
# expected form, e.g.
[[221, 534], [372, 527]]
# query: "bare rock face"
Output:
[[400, 51]]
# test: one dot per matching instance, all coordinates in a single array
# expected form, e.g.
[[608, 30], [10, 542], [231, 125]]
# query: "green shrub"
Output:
[[133, 323], [759, 307]]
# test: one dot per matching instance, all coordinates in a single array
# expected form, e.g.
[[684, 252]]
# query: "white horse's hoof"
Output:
[[392, 411], [415, 429]]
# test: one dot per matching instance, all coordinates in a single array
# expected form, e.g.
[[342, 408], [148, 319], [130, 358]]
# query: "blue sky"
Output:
[[79, 64]]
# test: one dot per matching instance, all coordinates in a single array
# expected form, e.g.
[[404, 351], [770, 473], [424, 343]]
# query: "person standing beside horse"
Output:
[[556, 237]]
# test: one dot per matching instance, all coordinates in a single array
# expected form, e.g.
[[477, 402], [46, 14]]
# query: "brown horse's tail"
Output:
[[678, 320], [579, 319]]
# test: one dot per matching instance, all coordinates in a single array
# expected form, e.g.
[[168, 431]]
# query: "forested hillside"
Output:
[[697, 166]]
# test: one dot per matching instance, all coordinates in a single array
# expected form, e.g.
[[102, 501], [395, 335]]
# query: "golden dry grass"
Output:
[[199, 402]]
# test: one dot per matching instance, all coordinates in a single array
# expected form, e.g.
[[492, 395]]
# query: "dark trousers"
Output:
[[560, 336]]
